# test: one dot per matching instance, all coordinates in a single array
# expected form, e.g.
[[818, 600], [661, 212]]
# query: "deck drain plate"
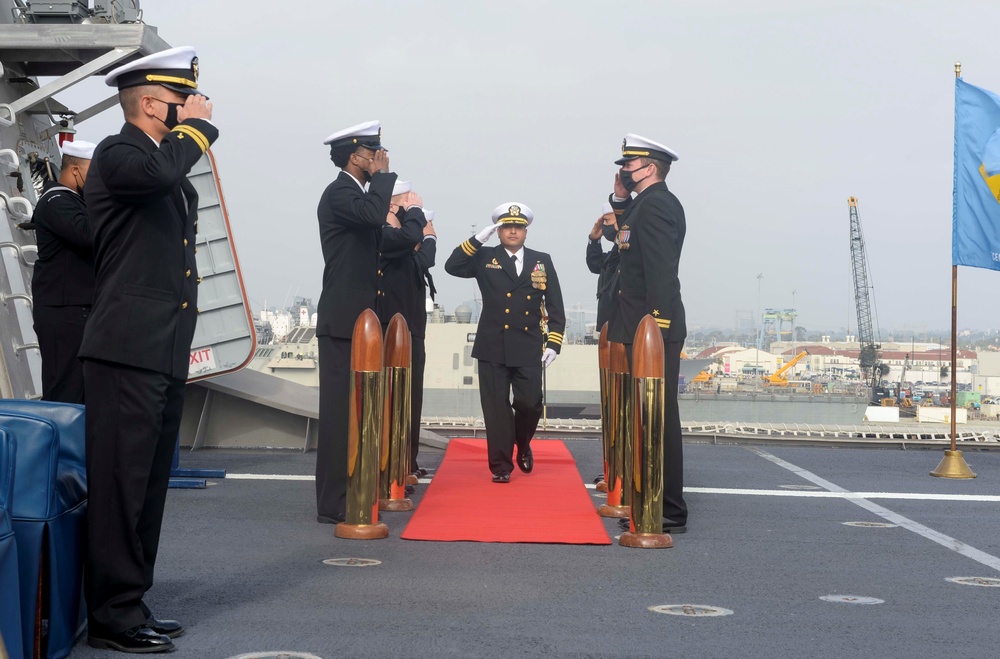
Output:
[[986, 582], [352, 562], [691, 610], [801, 487], [852, 599], [870, 525], [276, 655]]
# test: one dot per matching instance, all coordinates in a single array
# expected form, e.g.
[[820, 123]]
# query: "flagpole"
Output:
[[953, 465]]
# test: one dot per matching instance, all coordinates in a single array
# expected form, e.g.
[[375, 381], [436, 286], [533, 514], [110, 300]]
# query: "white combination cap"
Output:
[[636, 146], [367, 134], [176, 69], [513, 212]]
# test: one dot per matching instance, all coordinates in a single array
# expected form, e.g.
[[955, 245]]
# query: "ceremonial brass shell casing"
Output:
[[647, 460], [364, 433], [604, 375], [395, 458], [619, 428], [648, 412]]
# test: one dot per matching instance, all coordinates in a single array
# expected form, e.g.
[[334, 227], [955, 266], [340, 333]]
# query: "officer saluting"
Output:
[[650, 236], [137, 344], [351, 213], [515, 283], [62, 283]]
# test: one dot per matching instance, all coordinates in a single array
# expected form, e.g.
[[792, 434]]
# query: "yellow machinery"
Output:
[[778, 379]]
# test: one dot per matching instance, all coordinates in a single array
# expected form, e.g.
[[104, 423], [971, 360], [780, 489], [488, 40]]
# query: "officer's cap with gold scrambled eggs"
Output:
[[176, 69], [636, 146], [513, 213]]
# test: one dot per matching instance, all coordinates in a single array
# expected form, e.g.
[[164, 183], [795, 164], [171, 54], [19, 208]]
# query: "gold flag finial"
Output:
[[958, 69]]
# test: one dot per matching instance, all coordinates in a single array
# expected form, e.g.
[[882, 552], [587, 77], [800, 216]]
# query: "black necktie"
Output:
[[517, 267]]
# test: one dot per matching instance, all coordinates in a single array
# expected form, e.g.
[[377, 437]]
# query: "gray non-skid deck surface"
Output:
[[240, 565]]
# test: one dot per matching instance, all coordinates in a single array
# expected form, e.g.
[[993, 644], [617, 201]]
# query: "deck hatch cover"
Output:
[[352, 562], [691, 610]]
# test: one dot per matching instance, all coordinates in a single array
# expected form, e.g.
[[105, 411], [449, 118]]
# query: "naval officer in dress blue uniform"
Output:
[[512, 350], [62, 280], [650, 237], [351, 213], [136, 347]]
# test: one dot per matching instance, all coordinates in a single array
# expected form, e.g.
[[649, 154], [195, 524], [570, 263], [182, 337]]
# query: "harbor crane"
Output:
[[778, 379], [872, 368]]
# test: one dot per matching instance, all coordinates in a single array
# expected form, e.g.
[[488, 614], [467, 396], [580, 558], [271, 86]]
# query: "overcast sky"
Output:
[[779, 109]]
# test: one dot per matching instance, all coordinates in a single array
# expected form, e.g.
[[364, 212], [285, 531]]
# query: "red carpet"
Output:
[[549, 505]]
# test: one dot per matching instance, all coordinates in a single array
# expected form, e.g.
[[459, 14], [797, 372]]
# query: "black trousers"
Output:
[[674, 506], [133, 416], [509, 424], [417, 360], [60, 333], [334, 419]]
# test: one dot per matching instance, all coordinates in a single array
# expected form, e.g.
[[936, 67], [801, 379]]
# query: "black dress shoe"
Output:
[[170, 628], [335, 519], [137, 639], [419, 472], [409, 489], [525, 461], [501, 477]]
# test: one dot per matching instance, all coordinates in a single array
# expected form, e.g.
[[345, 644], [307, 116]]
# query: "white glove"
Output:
[[487, 233], [548, 357]]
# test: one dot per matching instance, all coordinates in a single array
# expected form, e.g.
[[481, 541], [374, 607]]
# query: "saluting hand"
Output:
[[195, 106], [379, 163], [411, 199], [596, 232], [620, 190]]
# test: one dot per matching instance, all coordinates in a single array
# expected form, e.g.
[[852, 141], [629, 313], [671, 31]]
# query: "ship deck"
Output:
[[241, 564]]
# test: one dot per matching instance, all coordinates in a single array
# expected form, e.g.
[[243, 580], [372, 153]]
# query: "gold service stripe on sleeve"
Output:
[[194, 134]]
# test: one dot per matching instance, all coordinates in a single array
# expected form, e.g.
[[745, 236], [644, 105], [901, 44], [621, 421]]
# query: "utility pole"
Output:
[[756, 367], [793, 324]]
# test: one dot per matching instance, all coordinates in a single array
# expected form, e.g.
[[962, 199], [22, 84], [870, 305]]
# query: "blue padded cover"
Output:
[[52, 449], [49, 513], [10, 611]]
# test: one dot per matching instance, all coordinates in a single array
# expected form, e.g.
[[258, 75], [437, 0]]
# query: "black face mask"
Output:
[[609, 232], [171, 121], [628, 182]]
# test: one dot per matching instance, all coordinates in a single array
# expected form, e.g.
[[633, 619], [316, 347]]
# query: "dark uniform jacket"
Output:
[[143, 214], [509, 329], [350, 224], [403, 288], [650, 237], [64, 271], [605, 265]]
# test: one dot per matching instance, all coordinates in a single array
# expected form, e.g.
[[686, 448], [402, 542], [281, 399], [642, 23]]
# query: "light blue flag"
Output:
[[975, 232]]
